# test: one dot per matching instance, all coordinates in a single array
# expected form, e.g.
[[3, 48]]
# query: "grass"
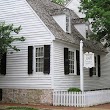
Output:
[[21, 108]]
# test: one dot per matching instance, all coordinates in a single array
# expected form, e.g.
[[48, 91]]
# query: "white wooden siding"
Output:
[[36, 33], [63, 82], [99, 82]]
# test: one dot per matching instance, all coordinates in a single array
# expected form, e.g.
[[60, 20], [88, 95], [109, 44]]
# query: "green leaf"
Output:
[[6, 37], [99, 11]]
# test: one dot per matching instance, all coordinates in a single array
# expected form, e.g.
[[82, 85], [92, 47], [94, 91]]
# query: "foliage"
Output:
[[73, 89], [21, 108], [99, 12], [6, 37]]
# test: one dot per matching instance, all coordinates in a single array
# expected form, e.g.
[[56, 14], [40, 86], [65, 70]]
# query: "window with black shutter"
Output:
[[78, 62], [3, 65], [30, 59], [42, 59], [90, 72], [66, 61], [95, 71], [69, 67], [46, 59], [95, 66], [99, 70], [0, 94]]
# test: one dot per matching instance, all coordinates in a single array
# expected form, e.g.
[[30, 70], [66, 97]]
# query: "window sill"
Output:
[[72, 74], [38, 73], [95, 76]]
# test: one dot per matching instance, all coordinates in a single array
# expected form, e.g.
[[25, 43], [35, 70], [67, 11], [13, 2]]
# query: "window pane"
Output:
[[36, 52], [39, 59], [71, 62], [42, 51]]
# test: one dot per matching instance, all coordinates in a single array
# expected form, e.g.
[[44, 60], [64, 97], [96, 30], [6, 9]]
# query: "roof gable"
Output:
[[45, 9]]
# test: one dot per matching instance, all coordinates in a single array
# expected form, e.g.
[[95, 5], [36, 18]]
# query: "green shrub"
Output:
[[73, 89], [21, 108]]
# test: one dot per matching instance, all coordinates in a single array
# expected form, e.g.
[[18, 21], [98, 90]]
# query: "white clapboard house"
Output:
[[48, 59]]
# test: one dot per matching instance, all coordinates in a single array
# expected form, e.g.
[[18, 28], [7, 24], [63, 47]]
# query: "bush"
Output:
[[20, 108], [73, 89]]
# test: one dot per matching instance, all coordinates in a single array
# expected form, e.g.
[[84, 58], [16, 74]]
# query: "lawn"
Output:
[[20, 108]]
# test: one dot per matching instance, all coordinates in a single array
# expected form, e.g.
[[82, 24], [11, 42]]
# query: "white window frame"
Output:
[[68, 23], [34, 58], [70, 50]]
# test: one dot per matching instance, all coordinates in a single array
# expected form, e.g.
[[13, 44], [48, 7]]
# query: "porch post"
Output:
[[81, 67]]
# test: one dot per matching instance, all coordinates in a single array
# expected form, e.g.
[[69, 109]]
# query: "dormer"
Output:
[[82, 29], [64, 21], [80, 25], [73, 5]]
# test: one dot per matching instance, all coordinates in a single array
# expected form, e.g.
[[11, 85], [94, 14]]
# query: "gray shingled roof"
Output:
[[45, 9]]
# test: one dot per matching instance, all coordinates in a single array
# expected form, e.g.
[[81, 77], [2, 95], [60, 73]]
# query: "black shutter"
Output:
[[66, 61], [0, 94], [30, 59], [91, 72], [78, 62], [3, 64], [99, 71], [46, 59]]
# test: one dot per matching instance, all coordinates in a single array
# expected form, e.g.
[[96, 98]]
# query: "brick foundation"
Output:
[[27, 96]]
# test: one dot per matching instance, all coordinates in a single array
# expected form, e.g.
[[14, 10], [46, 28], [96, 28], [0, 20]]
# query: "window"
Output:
[[95, 66], [71, 62], [68, 24], [87, 31], [39, 59], [96, 70]]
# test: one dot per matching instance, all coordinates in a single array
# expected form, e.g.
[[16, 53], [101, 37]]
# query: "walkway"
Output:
[[47, 107]]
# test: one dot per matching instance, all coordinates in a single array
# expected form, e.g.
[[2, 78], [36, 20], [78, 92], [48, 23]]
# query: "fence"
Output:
[[81, 99]]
